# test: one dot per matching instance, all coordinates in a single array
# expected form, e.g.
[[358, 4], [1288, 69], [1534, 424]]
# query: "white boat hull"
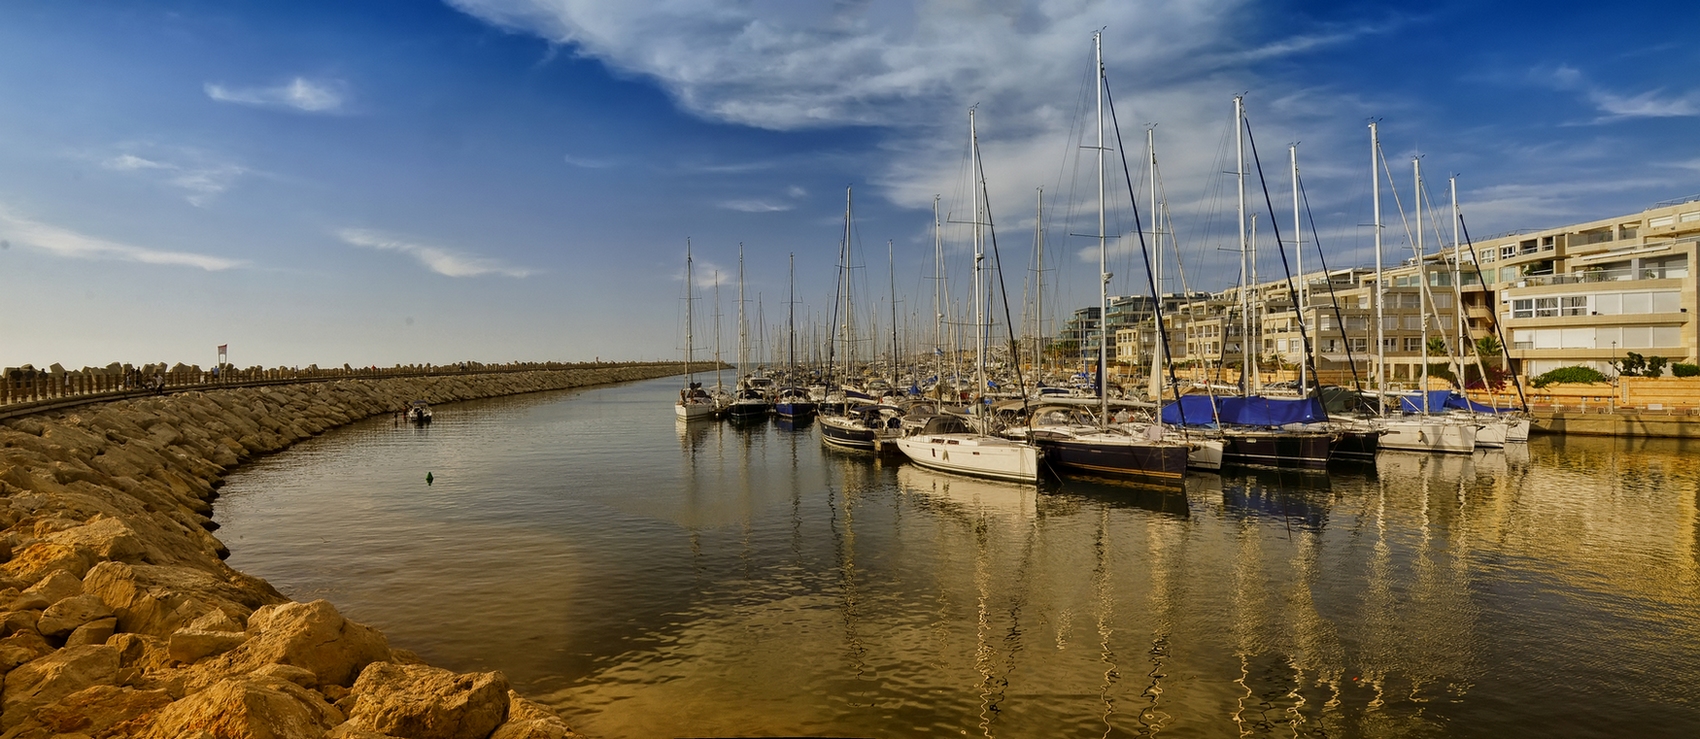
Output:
[[1492, 433], [1428, 435], [974, 455], [693, 411]]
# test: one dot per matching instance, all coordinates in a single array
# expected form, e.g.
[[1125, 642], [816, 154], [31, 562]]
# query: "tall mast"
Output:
[[1103, 256], [891, 260], [1039, 286], [1461, 324], [938, 298], [717, 386], [791, 320], [1299, 252], [1155, 389], [743, 334], [1375, 189], [979, 257], [689, 320], [1422, 278], [849, 312], [1248, 364]]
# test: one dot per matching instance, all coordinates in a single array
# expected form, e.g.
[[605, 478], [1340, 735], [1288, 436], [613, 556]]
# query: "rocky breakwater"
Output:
[[118, 616]]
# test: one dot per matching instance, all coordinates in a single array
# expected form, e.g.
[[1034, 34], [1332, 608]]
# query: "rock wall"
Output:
[[118, 616]]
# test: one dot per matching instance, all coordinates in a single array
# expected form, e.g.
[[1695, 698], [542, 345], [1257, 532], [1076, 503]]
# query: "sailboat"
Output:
[[968, 446], [694, 403], [1100, 449], [749, 402], [854, 421], [791, 401]]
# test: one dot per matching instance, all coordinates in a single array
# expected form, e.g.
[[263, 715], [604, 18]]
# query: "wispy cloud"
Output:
[[64, 242], [587, 162], [755, 206], [446, 262], [1617, 106], [300, 93], [200, 175]]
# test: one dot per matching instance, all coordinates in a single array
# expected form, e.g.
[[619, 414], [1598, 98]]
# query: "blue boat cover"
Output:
[[1198, 410], [1414, 403], [1459, 402], [1255, 410]]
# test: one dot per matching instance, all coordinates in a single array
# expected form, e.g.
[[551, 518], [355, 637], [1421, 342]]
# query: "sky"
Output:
[[402, 181]]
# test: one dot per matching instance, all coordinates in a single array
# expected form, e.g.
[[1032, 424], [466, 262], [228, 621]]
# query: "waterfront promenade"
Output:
[[118, 615]]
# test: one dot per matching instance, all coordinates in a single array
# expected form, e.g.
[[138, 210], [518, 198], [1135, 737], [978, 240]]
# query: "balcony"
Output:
[[1600, 275]]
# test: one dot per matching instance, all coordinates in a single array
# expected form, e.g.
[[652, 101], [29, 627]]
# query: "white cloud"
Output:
[[202, 176], [755, 206], [796, 191], [300, 93], [588, 163], [67, 243], [446, 262], [1617, 106]]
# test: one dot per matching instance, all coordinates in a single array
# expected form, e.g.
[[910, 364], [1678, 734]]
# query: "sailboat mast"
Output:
[[743, 334], [979, 257], [1422, 278], [689, 336], [791, 320], [1155, 386], [891, 261], [1461, 325], [938, 298], [1103, 250], [717, 386], [1299, 253], [1375, 189], [1039, 285], [1248, 364]]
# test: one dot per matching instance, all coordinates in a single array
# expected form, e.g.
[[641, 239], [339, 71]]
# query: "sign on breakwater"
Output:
[[116, 606]]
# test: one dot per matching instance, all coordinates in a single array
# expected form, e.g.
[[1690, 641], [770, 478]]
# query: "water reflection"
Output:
[[758, 583]]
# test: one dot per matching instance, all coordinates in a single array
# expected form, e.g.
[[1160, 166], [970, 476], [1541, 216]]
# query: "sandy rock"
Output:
[[39, 559], [299, 675], [13, 622], [191, 645], [52, 677], [215, 620], [141, 651], [309, 635], [160, 599], [108, 538], [92, 711], [93, 632], [57, 586], [423, 702], [529, 720], [245, 708], [62, 618]]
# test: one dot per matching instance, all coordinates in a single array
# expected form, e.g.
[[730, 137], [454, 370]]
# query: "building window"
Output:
[[1390, 343], [1546, 307], [1359, 345], [1357, 323], [1508, 251], [1413, 343], [1523, 308], [1574, 306], [1487, 255]]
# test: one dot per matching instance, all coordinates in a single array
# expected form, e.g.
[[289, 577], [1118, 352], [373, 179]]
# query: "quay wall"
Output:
[[119, 617]]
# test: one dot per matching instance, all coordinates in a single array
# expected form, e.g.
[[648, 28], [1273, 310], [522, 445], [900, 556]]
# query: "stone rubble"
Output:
[[119, 617]]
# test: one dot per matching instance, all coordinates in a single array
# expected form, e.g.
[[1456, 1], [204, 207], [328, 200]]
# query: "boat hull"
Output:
[[1355, 445], [973, 455], [794, 409], [1121, 459], [1428, 435], [1284, 450], [694, 411]]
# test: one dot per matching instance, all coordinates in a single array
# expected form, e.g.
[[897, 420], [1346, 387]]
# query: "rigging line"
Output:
[[1292, 292], [1498, 330], [1157, 307], [1333, 297]]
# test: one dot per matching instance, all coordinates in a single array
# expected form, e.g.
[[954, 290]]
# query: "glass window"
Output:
[[1487, 255], [1546, 307], [1360, 345], [1389, 343], [1413, 323], [1413, 343], [1390, 323], [1574, 305], [1523, 308], [1443, 302], [1357, 323], [1507, 274]]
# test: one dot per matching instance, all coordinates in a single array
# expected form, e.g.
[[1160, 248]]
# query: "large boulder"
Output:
[[422, 702], [529, 720], [62, 618], [55, 676], [245, 708], [313, 636], [92, 711], [160, 599]]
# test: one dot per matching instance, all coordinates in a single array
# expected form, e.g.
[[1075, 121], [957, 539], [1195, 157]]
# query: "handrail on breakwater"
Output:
[[30, 390]]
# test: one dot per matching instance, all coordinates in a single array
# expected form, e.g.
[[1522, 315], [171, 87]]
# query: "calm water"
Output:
[[650, 580]]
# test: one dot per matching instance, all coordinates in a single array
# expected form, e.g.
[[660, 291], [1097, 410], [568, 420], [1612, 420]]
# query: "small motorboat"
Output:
[[419, 413]]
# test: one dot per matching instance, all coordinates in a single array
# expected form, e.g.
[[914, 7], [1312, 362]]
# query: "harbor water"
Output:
[[651, 579]]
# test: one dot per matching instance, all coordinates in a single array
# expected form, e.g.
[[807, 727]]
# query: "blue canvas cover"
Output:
[[1256, 410], [1437, 400], [1199, 411], [1459, 402]]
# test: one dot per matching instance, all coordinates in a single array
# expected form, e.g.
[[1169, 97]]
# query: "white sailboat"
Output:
[[694, 404], [948, 443]]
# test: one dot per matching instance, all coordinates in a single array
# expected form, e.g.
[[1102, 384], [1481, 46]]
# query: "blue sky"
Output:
[[383, 182]]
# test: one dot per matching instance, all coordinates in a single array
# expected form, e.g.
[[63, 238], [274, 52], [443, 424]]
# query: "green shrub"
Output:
[[1685, 370], [1569, 374]]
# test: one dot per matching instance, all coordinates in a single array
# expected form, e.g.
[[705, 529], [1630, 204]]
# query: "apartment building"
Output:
[[1582, 294]]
